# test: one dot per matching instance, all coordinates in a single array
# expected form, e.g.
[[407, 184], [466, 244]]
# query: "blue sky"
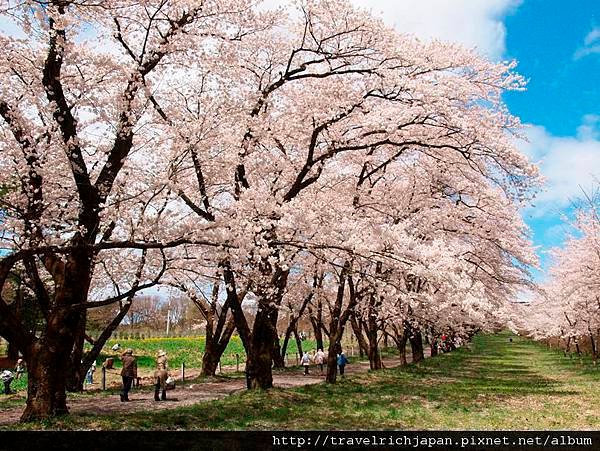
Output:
[[557, 46], [546, 38]]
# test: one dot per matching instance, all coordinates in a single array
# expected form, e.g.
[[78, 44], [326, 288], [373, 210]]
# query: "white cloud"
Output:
[[591, 44], [592, 36], [473, 23], [569, 164], [590, 128]]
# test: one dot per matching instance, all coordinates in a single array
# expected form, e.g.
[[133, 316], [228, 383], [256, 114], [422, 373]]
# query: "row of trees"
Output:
[[568, 305], [309, 160], [151, 315]]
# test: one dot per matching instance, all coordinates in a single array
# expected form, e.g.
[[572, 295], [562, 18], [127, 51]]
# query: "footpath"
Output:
[[142, 397]]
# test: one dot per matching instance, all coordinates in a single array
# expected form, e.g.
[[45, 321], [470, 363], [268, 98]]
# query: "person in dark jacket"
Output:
[[341, 362], [128, 373]]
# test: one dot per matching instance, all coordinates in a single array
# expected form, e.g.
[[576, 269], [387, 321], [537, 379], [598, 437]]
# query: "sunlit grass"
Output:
[[497, 384], [188, 350]]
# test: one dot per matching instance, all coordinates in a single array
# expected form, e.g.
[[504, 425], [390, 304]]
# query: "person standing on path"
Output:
[[320, 359], [89, 376], [160, 376], [19, 369], [342, 361], [305, 363], [128, 373], [7, 377]]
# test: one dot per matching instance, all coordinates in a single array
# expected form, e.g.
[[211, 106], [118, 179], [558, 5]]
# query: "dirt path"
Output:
[[142, 398]]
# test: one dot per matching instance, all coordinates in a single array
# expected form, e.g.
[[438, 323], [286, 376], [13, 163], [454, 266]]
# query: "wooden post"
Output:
[[103, 378], [237, 363], [182, 371]]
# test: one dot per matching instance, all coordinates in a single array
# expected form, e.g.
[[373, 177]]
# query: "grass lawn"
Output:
[[497, 384], [183, 349]]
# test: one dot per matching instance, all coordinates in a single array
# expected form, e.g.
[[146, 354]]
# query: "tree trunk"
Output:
[[293, 323], [338, 321], [316, 320], [332, 353], [286, 341], [48, 357], [283, 349], [416, 346], [276, 356], [401, 344], [75, 373], [400, 339], [259, 372], [363, 347], [74, 377], [371, 329], [215, 345], [259, 342], [374, 355], [278, 360], [258, 364], [318, 330], [46, 391], [210, 361], [298, 342]]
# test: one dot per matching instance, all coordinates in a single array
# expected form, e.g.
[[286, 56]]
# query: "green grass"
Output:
[[184, 349], [496, 384], [179, 350]]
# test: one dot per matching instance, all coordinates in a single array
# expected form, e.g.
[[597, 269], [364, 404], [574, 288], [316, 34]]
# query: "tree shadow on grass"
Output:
[[452, 382], [467, 382]]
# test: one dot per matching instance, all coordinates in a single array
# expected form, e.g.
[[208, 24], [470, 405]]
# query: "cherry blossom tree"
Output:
[[569, 305], [81, 155], [312, 153], [335, 105]]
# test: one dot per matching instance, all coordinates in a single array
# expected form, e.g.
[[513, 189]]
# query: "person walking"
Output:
[[341, 362], [305, 362], [89, 376], [128, 373], [160, 376], [19, 369], [7, 377], [320, 359]]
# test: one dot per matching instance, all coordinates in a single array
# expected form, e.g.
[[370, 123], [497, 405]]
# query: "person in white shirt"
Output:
[[305, 362], [320, 359]]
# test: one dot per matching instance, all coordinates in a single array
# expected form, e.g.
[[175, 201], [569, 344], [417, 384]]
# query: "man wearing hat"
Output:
[[128, 373], [160, 376]]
